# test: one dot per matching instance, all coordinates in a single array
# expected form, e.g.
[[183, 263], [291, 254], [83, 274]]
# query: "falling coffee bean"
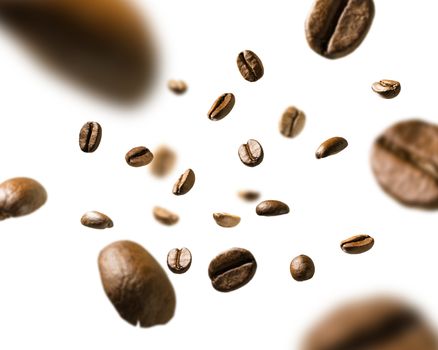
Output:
[[302, 268], [250, 66], [249, 195], [232, 269], [179, 260], [163, 162], [139, 156], [184, 183], [165, 216], [292, 122], [95, 219], [251, 153], [357, 244], [387, 88], [272, 208], [90, 136], [330, 147], [226, 220], [177, 86], [221, 107]]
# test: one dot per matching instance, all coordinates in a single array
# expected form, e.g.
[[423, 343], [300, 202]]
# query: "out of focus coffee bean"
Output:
[[166, 217], [184, 183], [250, 66], [292, 122], [90, 136], [95, 219], [163, 162], [177, 86], [330, 147], [226, 220], [387, 88], [139, 156], [357, 244], [272, 208], [251, 153], [179, 260], [221, 107], [302, 268], [249, 195]]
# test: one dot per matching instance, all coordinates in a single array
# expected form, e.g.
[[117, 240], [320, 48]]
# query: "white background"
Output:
[[51, 295]]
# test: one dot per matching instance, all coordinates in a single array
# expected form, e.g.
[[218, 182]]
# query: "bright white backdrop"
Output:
[[51, 295]]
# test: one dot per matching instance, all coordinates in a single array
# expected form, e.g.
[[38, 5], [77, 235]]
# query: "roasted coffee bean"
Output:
[[330, 147], [335, 28], [272, 208], [163, 162], [90, 136], [376, 323], [226, 220], [179, 260], [95, 219], [232, 269], [221, 107], [139, 156], [387, 88], [251, 153], [20, 196], [302, 268], [357, 244], [404, 162], [292, 122], [177, 86], [249, 195], [136, 284], [165, 216], [250, 66], [184, 183]]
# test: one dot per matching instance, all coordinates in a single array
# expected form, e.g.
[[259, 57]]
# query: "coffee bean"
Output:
[[139, 156], [251, 153], [163, 162], [226, 220], [221, 107], [387, 88], [90, 136], [97, 220], [184, 183], [250, 66], [335, 28], [404, 162], [302, 268], [165, 216], [249, 195], [272, 208], [292, 122], [177, 86], [179, 260], [136, 284], [357, 244], [232, 269], [20, 196], [330, 147]]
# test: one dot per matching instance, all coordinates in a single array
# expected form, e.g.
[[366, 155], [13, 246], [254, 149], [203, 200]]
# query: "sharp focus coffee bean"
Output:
[[357, 244], [387, 88], [377, 323], [165, 216], [95, 219], [330, 147], [302, 268], [136, 284], [184, 183], [232, 269], [139, 156], [163, 162], [177, 86], [90, 136], [250, 66], [335, 28], [272, 208], [405, 164], [179, 260], [221, 107], [292, 122], [226, 220], [20, 196], [251, 153], [249, 195]]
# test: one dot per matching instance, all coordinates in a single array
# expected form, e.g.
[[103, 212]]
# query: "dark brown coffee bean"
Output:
[[139, 156], [330, 147], [165, 216], [221, 107], [292, 122], [179, 260], [272, 208], [177, 86], [251, 153], [95, 219], [90, 136], [184, 183], [226, 220], [377, 323], [387, 88], [232, 269], [249, 195], [20, 196], [404, 162], [250, 66], [163, 162], [136, 284], [302, 268], [357, 244], [335, 28]]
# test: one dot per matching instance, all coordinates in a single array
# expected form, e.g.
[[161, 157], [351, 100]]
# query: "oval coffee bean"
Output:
[[249, 195], [139, 156], [357, 244], [179, 260], [177, 86], [250, 65], [387, 88], [221, 107], [330, 147], [95, 219], [335, 28], [226, 220], [136, 284], [292, 122], [165, 216], [272, 208], [232, 269], [20, 196], [163, 162], [90, 136], [302, 268], [184, 183], [251, 153]]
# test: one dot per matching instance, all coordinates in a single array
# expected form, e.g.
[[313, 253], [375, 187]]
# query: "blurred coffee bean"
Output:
[[330, 147], [387, 88], [272, 208], [251, 153], [250, 66], [226, 220], [139, 156], [184, 183], [179, 260], [95, 219], [90, 136], [177, 86], [292, 122], [357, 244], [221, 107], [166, 217], [249, 195], [302, 268], [163, 162]]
